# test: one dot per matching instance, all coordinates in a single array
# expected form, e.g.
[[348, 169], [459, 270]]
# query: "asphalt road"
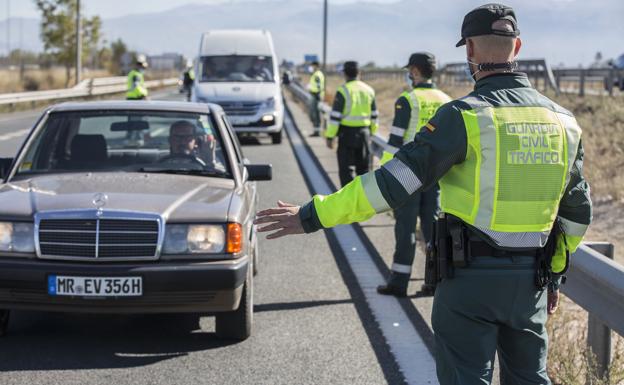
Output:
[[312, 324]]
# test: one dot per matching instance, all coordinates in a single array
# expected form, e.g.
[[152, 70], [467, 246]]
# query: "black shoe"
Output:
[[391, 290], [315, 134]]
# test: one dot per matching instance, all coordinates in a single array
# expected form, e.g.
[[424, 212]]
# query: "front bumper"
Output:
[[259, 129], [168, 287]]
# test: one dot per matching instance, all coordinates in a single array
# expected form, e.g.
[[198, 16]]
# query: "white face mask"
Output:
[[472, 75], [409, 80]]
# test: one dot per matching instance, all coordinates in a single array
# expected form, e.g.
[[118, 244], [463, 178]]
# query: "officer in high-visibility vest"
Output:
[[514, 206], [353, 119], [189, 79], [316, 87], [412, 110], [136, 81]]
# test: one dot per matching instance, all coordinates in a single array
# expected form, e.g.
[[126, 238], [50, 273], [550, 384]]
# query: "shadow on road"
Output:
[[298, 305], [51, 341]]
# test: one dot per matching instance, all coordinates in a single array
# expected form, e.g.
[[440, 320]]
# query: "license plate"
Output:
[[95, 286], [239, 121]]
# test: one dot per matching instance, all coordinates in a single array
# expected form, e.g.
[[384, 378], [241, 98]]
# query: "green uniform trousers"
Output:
[[424, 205], [313, 110], [492, 305]]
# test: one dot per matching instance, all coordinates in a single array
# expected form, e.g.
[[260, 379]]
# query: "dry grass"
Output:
[[40, 79], [602, 121]]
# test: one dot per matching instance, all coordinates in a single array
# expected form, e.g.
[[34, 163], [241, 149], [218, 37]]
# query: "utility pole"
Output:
[[8, 31], [78, 43], [324, 35]]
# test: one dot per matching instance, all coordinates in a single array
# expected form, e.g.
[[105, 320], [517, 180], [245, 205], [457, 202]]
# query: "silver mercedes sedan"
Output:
[[130, 207]]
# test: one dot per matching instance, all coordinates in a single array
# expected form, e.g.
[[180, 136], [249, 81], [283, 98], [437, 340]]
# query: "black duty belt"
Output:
[[483, 249]]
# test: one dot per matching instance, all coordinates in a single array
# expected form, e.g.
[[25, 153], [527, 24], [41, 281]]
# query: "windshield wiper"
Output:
[[184, 171]]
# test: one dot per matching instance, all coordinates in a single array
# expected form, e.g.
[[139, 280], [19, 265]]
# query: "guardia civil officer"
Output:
[[136, 89], [353, 118], [509, 162], [316, 87], [412, 110]]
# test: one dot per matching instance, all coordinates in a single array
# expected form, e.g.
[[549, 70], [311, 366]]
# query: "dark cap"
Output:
[[421, 60], [350, 66], [479, 22]]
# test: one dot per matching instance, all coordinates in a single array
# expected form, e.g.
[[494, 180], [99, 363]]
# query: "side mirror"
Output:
[[259, 171], [5, 166]]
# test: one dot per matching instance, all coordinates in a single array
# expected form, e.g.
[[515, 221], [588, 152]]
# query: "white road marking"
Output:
[[407, 346], [14, 134]]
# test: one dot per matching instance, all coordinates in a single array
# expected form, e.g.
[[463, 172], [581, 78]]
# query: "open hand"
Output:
[[282, 220]]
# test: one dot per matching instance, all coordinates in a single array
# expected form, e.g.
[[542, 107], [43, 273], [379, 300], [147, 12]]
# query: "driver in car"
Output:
[[186, 143]]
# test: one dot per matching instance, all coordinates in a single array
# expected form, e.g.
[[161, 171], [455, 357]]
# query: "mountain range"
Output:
[[562, 31]]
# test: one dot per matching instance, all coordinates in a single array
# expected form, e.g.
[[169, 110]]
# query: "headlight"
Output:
[[17, 237], [195, 239], [269, 103]]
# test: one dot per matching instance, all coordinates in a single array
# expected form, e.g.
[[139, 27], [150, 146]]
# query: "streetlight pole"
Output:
[[324, 35], [78, 43], [8, 31]]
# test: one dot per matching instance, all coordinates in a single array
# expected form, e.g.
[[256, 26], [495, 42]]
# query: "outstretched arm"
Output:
[[419, 164]]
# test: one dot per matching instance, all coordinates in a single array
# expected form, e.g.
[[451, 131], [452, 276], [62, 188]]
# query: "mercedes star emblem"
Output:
[[100, 200]]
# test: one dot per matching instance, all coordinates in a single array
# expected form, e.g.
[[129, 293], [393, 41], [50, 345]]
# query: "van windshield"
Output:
[[236, 68]]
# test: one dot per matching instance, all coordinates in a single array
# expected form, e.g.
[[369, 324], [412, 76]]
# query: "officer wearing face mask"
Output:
[[514, 206], [412, 110]]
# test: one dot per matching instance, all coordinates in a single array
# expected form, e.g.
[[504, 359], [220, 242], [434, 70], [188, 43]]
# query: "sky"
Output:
[[116, 8], [566, 32]]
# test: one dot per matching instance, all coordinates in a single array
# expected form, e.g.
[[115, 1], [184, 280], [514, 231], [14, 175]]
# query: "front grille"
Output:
[[96, 238], [240, 108]]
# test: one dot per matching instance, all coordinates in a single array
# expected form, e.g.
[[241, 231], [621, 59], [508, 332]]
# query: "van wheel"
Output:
[[4, 321], [236, 325], [276, 138]]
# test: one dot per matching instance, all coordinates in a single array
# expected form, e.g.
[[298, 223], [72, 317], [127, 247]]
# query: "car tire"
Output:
[[237, 324], [4, 321], [276, 137]]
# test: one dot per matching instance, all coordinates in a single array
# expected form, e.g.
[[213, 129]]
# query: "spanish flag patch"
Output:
[[430, 127]]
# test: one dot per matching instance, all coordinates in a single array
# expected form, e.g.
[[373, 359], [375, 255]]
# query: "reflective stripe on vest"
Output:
[[516, 168], [358, 99]]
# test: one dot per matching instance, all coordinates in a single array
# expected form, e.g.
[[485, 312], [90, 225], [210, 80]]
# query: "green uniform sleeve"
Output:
[[374, 117], [575, 211], [400, 123], [335, 115], [417, 165]]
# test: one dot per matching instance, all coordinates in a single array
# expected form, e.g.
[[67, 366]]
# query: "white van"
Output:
[[237, 69]]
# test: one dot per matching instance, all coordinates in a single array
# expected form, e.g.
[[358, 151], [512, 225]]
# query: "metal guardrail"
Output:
[[594, 281], [562, 80], [86, 88]]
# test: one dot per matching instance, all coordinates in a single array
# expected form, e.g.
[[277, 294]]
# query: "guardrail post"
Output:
[[582, 83], [611, 81], [598, 334]]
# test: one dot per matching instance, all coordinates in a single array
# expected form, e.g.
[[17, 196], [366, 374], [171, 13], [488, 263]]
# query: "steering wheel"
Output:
[[185, 158]]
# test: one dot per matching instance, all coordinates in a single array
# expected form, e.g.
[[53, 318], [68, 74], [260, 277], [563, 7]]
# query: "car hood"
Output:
[[179, 198], [237, 92]]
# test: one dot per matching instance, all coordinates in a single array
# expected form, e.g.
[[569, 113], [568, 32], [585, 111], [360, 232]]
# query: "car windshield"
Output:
[[236, 68], [141, 141]]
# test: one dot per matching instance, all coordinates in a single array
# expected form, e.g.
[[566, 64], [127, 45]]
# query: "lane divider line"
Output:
[[408, 348]]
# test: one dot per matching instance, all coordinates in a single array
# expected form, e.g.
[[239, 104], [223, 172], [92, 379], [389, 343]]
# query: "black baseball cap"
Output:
[[479, 22], [421, 60], [350, 66]]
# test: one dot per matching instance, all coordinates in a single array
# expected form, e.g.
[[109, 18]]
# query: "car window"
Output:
[[236, 68], [126, 141], [238, 149]]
